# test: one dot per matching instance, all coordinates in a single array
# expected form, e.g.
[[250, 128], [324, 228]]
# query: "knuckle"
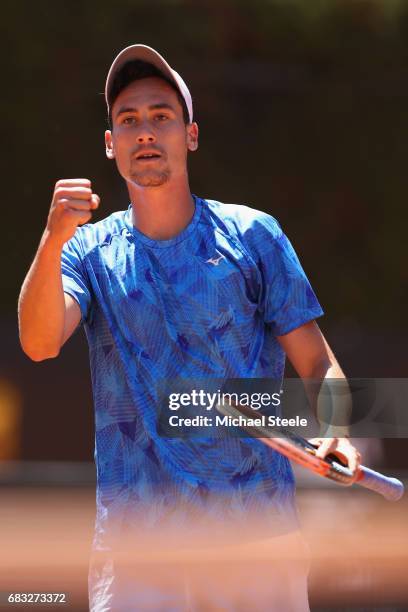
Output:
[[60, 192]]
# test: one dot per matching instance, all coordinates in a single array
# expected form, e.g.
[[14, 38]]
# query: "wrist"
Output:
[[51, 243]]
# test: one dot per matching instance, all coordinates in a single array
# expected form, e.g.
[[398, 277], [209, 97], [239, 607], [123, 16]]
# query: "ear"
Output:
[[192, 136], [110, 153]]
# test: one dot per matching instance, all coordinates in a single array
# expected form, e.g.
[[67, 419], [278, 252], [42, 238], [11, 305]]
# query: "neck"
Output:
[[161, 212]]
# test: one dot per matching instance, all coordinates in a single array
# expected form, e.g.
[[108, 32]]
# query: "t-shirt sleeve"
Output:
[[287, 299], [74, 278]]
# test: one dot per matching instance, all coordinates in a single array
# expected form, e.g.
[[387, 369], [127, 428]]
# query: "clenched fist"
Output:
[[72, 205]]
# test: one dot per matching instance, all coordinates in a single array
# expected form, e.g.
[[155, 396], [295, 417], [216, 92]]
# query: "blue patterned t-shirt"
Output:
[[205, 304]]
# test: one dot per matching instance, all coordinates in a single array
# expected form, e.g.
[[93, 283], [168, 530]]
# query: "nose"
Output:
[[146, 134]]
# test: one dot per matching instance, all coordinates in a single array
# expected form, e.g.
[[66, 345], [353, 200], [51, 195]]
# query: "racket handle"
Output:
[[391, 488]]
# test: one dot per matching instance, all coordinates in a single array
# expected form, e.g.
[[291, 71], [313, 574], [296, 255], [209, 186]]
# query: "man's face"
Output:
[[149, 139]]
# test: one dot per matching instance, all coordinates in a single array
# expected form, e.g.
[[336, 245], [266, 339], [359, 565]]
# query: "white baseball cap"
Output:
[[147, 54]]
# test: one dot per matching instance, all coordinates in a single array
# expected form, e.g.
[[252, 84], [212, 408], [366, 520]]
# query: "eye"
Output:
[[161, 117], [128, 120]]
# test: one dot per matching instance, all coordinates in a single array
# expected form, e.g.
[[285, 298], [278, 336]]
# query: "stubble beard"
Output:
[[150, 177]]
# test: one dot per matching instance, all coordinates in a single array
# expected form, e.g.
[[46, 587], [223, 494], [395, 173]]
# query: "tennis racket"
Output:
[[301, 451]]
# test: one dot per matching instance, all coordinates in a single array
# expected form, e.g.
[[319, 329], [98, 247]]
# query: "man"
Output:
[[174, 287]]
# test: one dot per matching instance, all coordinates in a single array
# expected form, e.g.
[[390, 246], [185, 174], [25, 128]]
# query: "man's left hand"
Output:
[[342, 448]]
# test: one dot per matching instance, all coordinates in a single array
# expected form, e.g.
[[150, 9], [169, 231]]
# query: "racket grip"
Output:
[[391, 488]]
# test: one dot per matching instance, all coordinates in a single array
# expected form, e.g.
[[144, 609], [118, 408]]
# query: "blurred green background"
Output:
[[302, 107]]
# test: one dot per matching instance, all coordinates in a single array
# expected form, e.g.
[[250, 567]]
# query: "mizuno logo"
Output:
[[215, 260]]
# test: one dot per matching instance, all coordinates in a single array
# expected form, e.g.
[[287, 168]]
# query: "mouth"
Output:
[[147, 156]]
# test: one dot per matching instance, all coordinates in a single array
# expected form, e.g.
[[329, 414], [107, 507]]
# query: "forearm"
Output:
[[325, 384], [334, 404], [334, 413], [41, 303], [330, 398], [326, 388]]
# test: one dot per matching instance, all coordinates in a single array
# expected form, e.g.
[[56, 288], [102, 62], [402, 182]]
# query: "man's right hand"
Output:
[[72, 205], [47, 316]]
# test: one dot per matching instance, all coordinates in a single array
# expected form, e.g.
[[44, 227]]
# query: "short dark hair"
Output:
[[136, 70]]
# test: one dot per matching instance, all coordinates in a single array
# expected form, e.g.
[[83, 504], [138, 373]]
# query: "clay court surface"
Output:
[[358, 545]]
